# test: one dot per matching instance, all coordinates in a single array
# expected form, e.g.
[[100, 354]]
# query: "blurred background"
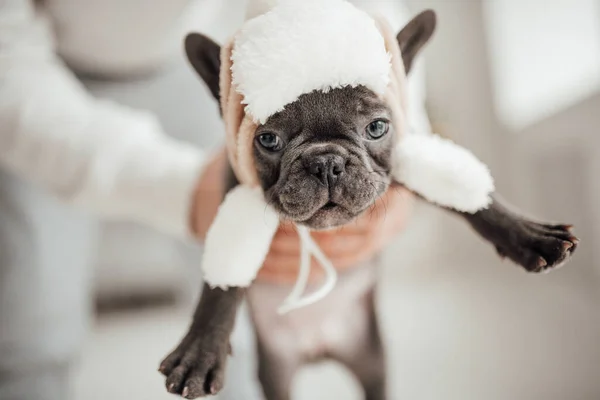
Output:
[[517, 82]]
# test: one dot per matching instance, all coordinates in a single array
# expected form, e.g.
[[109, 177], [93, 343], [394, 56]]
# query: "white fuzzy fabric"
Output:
[[239, 238], [304, 45], [443, 172], [254, 8]]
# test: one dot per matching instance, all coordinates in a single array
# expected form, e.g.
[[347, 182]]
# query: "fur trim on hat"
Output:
[[301, 46]]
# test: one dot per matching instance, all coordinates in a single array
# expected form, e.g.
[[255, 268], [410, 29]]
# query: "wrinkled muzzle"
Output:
[[326, 185]]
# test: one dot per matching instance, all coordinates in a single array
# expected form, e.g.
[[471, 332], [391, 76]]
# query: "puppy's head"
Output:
[[327, 156]]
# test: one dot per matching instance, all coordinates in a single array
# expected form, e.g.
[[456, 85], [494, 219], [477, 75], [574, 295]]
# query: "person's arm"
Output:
[[101, 156]]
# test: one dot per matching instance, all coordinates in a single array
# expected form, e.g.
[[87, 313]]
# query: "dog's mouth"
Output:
[[328, 216], [326, 211], [305, 202], [329, 206]]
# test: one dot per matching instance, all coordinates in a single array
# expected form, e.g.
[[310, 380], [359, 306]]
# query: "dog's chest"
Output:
[[334, 323]]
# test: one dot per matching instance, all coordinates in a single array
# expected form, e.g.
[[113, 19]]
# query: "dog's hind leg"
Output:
[[365, 355], [277, 345], [276, 370]]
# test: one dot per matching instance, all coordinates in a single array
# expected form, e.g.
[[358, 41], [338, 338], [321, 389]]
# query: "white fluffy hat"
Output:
[[293, 50]]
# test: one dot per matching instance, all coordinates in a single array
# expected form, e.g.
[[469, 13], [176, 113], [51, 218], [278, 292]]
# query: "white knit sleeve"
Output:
[[106, 158]]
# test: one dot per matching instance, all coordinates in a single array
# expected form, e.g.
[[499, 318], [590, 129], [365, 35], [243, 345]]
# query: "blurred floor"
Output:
[[457, 331], [527, 342]]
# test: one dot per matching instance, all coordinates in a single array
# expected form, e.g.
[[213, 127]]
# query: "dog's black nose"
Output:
[[328, 168]]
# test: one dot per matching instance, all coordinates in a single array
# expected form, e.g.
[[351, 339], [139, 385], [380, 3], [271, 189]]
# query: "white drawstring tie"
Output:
[[309, 248]]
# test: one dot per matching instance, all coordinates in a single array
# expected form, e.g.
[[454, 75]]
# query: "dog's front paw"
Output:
[[539, 247], [197, 367]]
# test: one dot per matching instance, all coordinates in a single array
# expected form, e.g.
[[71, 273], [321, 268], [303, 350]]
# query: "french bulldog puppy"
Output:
[[323, 161]]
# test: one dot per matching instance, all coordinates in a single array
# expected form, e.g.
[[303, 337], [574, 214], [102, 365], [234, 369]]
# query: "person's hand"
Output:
[[208, 195], [345, 247]]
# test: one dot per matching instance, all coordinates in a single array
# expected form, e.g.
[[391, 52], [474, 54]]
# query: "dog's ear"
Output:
[[205, 56], [414, 36]]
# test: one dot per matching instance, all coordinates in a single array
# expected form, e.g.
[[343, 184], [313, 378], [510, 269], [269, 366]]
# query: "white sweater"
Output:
[[102, 156]]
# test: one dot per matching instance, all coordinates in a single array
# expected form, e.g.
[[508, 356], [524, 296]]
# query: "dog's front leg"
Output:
[[196, 367], [534, 245]]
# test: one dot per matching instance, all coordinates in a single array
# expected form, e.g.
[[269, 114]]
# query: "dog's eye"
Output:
[[270, 141], [377, 129]]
